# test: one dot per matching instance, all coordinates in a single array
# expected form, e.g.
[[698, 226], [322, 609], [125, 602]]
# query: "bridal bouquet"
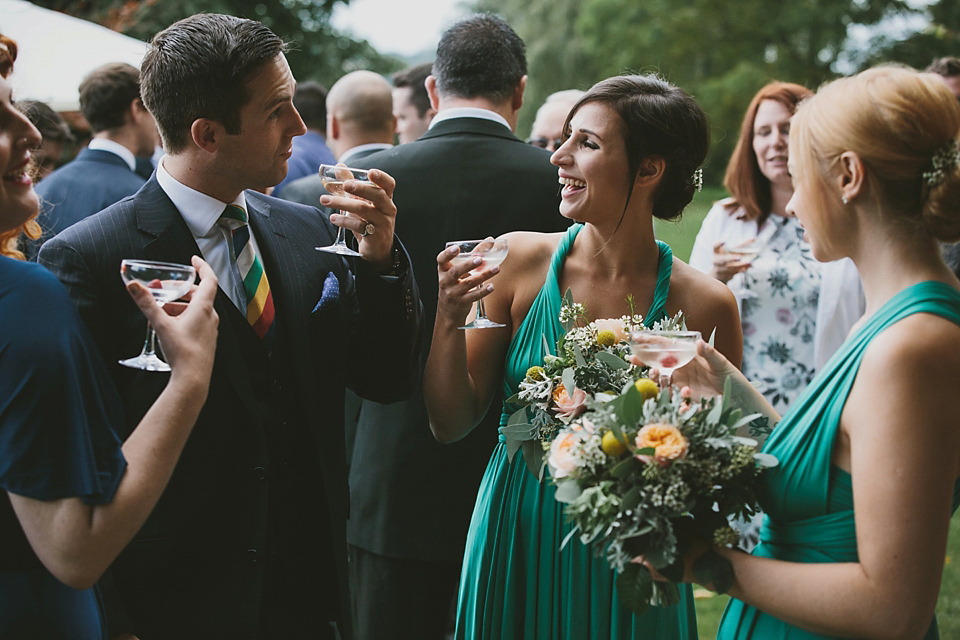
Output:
[[591, 360], [645, 474]]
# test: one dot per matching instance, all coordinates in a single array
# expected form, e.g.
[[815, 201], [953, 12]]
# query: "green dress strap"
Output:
[[537, 335]]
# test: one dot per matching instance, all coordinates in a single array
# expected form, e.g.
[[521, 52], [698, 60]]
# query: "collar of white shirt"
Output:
[[468, 112], [102, 144], [198, 210]]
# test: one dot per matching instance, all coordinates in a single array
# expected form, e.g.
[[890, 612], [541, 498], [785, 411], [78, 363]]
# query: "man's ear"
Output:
[[517, 100], [207, 134], [650, 171], [431, 86]]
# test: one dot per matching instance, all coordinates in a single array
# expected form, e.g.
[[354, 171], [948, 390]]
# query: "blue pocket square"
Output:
[[331, 293]]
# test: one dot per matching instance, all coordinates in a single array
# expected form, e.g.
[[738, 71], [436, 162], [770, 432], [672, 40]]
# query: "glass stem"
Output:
[[150, 343], [481, 310], [340, 239], [665, 382]]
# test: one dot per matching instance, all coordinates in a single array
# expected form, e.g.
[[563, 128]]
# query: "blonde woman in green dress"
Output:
[[875, 166]]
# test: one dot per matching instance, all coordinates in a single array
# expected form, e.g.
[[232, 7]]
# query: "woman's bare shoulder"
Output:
[[698, 292], [530, 248]]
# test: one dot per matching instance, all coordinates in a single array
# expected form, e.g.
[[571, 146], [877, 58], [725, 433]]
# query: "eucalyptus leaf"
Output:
[[631, 500], [635, 586], [514, 399], [727, 392], [519, 431], [666, 594], [714, 416], [750, 442], [567, 492], [533, 456], [625, 468], [744, 421], [568, 381], [578, 356], [567, 537], [765, 460], [611, 360], [513, 445], [518, 417], [713, 569], [630, 410]]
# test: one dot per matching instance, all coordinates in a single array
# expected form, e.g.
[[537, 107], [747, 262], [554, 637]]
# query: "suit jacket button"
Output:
[[252, 555], [260, 473]]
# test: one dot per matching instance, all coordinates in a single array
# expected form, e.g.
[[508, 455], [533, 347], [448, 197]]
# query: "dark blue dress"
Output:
[[57, 407]]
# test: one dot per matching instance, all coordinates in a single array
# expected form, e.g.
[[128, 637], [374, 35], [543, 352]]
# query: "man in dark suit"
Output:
[[106, 171], [466, 178], [360, 122], [248, 540]]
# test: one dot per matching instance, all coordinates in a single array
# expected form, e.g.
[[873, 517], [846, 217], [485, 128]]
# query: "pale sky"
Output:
[[404, 27]]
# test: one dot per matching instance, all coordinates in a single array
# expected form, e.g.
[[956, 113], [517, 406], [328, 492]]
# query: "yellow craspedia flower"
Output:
[[535, 373], [606, 338], [647, 388], [611, 445]]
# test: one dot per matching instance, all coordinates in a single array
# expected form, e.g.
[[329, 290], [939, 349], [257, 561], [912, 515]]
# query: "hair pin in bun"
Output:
[[947, 158], [697, 179]]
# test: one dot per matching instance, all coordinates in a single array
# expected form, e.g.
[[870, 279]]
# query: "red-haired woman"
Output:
[[795, 311]]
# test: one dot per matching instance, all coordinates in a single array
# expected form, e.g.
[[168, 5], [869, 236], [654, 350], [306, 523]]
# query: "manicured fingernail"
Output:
[[490, 287], [495, 270], [477, 260]]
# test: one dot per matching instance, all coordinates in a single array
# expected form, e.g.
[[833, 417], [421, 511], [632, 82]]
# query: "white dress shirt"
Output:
[[468, 112], [201, 213], [103, 144]]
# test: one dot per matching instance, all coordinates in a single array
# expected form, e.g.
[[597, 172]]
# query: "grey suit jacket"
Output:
[[465, 178], [196, 569]]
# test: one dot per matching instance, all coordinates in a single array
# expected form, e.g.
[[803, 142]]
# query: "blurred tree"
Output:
[[721, 51], [940, 37], [319, 52]]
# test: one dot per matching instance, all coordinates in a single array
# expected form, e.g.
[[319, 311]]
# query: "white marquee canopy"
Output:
[[55, 52]]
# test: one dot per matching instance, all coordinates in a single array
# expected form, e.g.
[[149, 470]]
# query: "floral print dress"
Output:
[[780, 293]]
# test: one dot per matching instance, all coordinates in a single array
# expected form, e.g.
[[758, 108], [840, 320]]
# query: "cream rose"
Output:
[[568, 407], [561, 459]]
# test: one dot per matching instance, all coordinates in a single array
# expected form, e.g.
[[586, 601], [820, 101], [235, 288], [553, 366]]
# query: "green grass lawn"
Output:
[[680, 236]]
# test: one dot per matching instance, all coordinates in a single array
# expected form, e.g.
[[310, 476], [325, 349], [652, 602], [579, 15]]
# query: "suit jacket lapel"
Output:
[[173, 242]]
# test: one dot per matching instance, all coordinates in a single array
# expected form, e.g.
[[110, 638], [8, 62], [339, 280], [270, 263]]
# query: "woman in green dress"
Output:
[[633, 146], [875, 165]]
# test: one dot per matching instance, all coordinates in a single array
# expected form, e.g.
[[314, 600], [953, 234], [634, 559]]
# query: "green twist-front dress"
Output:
[[809, 501], [516, 583]]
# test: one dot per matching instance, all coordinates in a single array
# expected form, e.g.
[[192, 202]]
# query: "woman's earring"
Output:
[[844, 199]]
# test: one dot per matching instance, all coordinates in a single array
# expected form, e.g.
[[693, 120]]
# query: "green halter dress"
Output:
[[809, 501], [516, 583]]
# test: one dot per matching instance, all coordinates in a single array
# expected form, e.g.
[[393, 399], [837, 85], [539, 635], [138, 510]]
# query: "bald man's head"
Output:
[[360, 110]]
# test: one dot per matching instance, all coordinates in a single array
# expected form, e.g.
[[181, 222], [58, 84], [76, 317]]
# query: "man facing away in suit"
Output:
[[360, 122], [248, 540], [466, 178], [104, 172]]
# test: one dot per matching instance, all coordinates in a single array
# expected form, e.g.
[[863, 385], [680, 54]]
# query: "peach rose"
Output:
[[568, 407], [667, 441], [612, 324], [561, 459]]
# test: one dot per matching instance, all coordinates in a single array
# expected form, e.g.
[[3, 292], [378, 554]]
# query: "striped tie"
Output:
[[260, 312]]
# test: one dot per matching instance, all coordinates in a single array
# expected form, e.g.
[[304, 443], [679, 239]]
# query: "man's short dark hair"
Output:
[[48, 122], [106, 94], [414, 77], [198, 68], [947, 67], [480, 57], [310, 99]]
